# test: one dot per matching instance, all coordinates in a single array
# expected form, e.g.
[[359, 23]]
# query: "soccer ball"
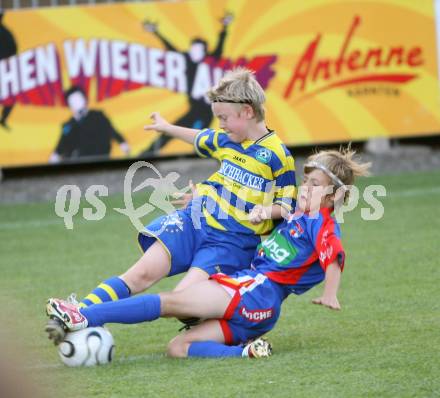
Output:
[[87, 347]]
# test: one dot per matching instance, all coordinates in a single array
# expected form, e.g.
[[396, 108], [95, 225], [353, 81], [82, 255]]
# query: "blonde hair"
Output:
[[340, 163], [239, 86]]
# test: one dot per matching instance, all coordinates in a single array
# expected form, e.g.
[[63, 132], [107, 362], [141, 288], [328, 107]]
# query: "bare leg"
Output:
[[207, 331], [149, 269], [194, 275], [204, 300]]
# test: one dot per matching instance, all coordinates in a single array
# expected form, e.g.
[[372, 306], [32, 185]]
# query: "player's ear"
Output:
[[338, 196], [248, 111]]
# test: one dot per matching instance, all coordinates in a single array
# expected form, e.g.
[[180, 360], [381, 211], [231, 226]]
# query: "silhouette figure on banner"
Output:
[[88, 133], [199, 115]]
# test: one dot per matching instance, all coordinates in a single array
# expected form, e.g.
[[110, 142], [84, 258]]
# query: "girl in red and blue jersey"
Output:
[[304, 250]]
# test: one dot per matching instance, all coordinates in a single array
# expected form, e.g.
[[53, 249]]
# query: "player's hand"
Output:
[[150, 26], [329, 302], [258, 214], [182, 198], [125, 148], [55, 158], [227, 19], [158, 123]]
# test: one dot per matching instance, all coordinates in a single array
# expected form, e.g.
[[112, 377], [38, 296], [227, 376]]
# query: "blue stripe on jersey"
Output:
[[285, 179], [223, 141], [210, 141], [227, 221], [275, 162], [230, 197], [243, 176]]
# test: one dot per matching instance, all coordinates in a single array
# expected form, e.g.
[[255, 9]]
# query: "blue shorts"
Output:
[[255, 306], [204, 247]]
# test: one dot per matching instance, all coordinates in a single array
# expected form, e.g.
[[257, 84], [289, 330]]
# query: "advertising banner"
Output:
[[79, 83]]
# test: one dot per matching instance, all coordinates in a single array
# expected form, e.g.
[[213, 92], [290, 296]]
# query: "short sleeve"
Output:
[[205, 143], [328, 244], [285, 183]]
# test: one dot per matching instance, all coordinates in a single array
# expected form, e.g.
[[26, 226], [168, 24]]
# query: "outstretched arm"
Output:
[[226, 20], [332, 279], [152, 28], [161, 125]]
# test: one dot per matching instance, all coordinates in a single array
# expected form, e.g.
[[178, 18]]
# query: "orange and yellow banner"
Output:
[[333, 70]]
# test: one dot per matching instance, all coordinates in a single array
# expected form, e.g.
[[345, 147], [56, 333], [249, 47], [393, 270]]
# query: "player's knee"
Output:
[[139, 279], [134, 282], [178, 348], [170, 304]]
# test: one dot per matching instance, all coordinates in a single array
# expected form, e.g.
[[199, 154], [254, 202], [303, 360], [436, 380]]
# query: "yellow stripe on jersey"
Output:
[[245, 175], [274, 143], [286, 192], [238, 215], [216, 139], [109, 291], [290, 165], [202, 144], [212, 222]]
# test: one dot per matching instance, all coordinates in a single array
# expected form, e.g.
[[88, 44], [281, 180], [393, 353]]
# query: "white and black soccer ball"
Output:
[[87, 347]]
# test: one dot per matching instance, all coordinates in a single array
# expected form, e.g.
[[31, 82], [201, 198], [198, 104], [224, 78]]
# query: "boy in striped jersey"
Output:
[[219, 230], [301, 252]]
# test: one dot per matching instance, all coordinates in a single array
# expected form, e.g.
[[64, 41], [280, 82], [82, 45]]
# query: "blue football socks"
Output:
[[112, 289], [212, 349], [134, 309]]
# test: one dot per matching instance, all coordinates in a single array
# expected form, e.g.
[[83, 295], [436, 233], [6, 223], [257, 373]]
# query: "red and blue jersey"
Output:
[[292, 260], [298, 251]]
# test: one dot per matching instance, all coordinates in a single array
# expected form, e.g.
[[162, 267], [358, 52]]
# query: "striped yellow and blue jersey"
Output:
[[251, 172]]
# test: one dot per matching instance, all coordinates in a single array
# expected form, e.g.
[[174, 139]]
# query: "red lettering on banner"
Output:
[[310, 68], [32, 77]]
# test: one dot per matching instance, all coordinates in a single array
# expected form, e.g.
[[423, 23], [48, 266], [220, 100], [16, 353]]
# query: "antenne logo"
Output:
[[378, 64]]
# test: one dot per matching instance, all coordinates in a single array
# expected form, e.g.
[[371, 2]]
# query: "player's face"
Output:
[[232, 120], [77, 103], [197, 52], [313, 192]]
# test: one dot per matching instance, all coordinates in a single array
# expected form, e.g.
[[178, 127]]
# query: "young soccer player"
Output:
[[220, 230], [300, 253]]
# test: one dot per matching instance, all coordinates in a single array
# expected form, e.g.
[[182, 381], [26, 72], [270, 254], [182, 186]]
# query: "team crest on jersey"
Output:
[[172, 223], [263, 155], [296, 231]]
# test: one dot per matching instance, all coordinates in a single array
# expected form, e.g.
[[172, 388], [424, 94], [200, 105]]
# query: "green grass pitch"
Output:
[[384, 343]]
